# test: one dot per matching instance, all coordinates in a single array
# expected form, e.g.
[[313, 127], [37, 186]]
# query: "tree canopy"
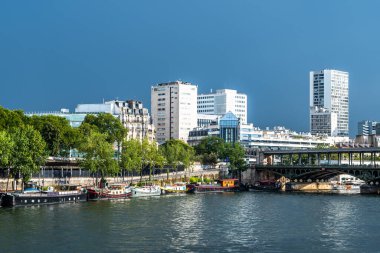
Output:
[[98, 155]]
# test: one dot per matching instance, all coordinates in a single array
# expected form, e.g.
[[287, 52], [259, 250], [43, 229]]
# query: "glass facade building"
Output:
[[229, 128]]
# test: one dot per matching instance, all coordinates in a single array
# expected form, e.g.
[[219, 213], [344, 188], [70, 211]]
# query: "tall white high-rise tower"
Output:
[[329, 102], [174, 110]]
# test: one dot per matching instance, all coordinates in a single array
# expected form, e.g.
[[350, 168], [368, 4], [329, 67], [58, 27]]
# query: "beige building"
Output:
[[137, 120], [174, 110], [131, 113]]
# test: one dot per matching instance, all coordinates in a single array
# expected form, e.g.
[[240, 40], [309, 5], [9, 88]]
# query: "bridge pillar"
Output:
[[361, 158], [318, 159], [299, 159], [350, 159], [328, 158], [339, 159]]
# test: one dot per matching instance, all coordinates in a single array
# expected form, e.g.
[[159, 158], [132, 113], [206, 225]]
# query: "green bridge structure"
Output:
[[318, 165]]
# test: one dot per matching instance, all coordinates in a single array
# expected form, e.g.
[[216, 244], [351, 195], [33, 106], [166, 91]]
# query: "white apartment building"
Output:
[[329, 102], [131, 113], [223, 101], [174, 110]]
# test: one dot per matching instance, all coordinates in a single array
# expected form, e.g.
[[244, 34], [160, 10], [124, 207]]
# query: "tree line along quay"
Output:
[[101, 146]]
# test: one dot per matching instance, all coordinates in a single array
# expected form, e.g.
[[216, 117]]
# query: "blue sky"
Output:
[[56, 54]]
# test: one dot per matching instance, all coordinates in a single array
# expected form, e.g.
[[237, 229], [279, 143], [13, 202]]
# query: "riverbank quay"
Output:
[[290, 183], [90, 181]]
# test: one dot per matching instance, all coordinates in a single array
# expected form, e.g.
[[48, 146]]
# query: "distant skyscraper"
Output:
[[174, 110], [329, 101], [223, 101]]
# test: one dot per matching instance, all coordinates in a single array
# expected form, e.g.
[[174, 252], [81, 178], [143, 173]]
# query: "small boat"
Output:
[[223, 185], [61, 194], [347, 188], [113, 191], [346, 184], [145, 191], [178, 187]]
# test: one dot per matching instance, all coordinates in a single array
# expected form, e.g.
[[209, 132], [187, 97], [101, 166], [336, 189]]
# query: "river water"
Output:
[[225, 222]]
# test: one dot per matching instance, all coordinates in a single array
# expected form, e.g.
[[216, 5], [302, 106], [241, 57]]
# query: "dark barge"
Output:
[[65, 194]]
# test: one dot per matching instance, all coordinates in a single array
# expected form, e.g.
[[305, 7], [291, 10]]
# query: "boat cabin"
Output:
[[228, 182]]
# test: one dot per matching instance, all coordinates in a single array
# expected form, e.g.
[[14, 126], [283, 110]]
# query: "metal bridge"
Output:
[[321, 164]]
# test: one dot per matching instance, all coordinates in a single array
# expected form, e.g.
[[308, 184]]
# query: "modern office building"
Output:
[[367, 127], [329, 102], [174, 110], [223, 101], [229, 126]]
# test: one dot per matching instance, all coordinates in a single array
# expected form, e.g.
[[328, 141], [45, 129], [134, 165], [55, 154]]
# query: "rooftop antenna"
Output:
[[210, 90], [103, 100]]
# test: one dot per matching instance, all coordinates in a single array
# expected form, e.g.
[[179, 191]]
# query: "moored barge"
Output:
[[115, 191], [223, 185], [63, 194]]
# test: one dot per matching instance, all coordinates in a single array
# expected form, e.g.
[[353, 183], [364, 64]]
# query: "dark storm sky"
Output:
[[56, 54]]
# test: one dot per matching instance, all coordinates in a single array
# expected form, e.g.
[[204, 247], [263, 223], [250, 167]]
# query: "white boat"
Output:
[[145, 191], [347, 188], [347, 184], [178, 187]]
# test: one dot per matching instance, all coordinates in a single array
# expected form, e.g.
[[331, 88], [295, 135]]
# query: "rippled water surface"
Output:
[[229, 222]]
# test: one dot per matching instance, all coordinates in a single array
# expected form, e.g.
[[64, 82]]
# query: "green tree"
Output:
[[176, 153], [234, 153], [11, 119], [210, 150], [98, 155], [131, 156], [29, 152], [6, 148], [152, 155], [108, 125], [54, 130]]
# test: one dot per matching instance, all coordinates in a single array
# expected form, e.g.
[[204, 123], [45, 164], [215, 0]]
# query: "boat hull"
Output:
[[12, 199], [174, 189], [96, 195], [141, 192], [211, 189]]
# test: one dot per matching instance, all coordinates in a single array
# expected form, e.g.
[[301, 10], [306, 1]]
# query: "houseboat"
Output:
[[60, 194], [113, 191], [346, 184], [178, 187], [223, 185]]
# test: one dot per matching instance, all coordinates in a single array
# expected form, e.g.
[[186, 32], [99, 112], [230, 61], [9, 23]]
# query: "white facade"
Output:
[[131, 113], [174, 110], [223, 101], [329, 93], [278, 138]]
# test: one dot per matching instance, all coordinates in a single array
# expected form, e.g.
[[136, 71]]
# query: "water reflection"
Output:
[[243, 222]]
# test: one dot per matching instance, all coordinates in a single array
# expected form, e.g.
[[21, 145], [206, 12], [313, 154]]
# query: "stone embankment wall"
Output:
[[89, 181]]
